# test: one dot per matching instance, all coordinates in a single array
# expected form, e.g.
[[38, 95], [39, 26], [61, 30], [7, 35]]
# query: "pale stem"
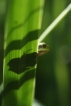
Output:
[[55, 22]]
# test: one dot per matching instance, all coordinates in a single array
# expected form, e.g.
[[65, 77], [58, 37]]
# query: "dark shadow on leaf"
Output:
[[24, 22], [19, 65], [18, 44], [16, 84]]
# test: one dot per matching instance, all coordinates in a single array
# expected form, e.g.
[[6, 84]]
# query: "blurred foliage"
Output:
[[53, 76], [2, 14]]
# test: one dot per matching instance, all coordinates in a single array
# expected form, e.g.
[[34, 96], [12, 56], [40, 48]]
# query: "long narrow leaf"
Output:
[[23, 21]]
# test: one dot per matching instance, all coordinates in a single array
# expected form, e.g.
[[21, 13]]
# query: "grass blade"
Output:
[[23, 23]]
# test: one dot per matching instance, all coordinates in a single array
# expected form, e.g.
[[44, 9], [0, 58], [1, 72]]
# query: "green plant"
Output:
[[22, 25]]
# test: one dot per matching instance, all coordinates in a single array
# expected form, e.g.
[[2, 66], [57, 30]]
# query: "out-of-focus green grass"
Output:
[[54, 67]]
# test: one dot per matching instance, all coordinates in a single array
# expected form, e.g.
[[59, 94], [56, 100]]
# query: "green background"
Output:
[[53, 74]]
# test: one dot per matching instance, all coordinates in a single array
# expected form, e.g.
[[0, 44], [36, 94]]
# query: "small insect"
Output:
[[26, 61]]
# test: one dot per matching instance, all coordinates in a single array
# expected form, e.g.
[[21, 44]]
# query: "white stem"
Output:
[[54, 23]]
